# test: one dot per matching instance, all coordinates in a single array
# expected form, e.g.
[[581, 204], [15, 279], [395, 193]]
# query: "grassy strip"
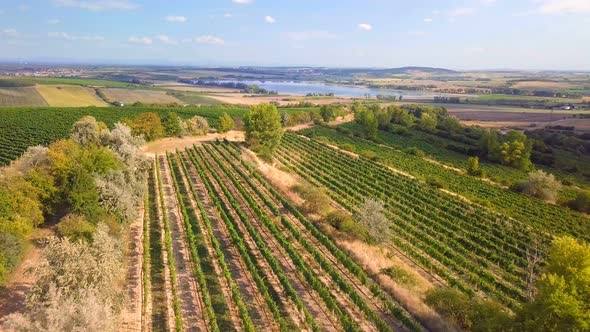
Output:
[[171, 261], [237, 297]]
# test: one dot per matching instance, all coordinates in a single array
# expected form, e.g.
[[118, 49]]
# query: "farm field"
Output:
[[69, 96], [476, 249], [520, 207], [21, 127], [130, 96], [21, 96], [227, 252]]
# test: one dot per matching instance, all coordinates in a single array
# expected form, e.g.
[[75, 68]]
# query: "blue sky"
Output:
[[457, 34]]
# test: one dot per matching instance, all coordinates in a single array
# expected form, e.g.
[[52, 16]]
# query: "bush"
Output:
[[473, 166], [75, 227], [10, 250], [436, 182], [415, 152], [370, 216], [316, 200], [345, 223], [581, 202], [540, 185], [400, 276]]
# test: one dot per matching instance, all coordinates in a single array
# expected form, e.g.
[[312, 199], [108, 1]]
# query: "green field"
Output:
[[11, 81], [28, 126]]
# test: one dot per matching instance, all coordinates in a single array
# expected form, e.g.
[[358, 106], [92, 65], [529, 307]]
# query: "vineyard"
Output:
[[533, 212], [225, 251], [471, 247], [24, 127]]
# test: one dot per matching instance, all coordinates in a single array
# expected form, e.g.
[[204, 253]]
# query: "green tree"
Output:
[[328, 113], [171, 124], [516, 150], [473, 166], [489, 144], [427, 122], [263, 129], [371, 124], [562, 302], [148, 125], [226, 123]]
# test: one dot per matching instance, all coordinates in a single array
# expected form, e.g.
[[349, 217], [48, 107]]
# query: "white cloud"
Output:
[[242, 2], [210, 40], [10, 32], [552, 7], [310, 35], [98, 5], [461, 11], [487, 2], [475, 49], [228, 15], [140, 40], [175, 19], [428, 20], [54, 21], [67, 36], [269, 19], [166, 40], [24, 8], [365, 27], [416, 33]]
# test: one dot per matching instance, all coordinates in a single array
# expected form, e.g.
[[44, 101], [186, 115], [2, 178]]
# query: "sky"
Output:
[[455, 34]]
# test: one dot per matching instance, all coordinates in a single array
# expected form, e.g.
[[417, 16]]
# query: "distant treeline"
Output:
[[246, 88]]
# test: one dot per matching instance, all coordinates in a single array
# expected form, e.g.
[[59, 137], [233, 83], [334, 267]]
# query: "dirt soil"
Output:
[[170, 144], [12, 296]]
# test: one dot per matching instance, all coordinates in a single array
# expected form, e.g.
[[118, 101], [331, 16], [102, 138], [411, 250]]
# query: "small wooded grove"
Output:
[[89, 185]]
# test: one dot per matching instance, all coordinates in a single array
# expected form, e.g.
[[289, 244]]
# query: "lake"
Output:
[[303, 88]]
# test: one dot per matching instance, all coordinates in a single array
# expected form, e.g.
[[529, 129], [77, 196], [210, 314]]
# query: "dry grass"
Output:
[[131, 96], [533, 85], [21, 96], [170, 144], [69, 96]]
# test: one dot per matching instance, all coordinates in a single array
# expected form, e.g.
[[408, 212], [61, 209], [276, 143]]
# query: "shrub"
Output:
[[226, 123], [316, 200], [436, 182], [473, 166], [370, 216], [401, 276], [581, 202], [75, 227], [415, 152], [540, 185]]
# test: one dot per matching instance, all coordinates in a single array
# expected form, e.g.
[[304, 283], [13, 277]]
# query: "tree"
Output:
[[226, 123], [328, 113], [427, 122], [263, 129], [148, 125], [316, 200], [87, 131], [516, 150], [562, 302], [489, 145], [171, 124], [371, 216], [473, 166], [541, 185], [195, 126], [371, 124]]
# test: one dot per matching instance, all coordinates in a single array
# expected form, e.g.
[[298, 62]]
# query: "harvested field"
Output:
[[130, 96], [69, 96], [21, 96]]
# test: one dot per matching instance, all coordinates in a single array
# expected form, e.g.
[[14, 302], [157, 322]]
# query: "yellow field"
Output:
[[130, 96], [69, 96]]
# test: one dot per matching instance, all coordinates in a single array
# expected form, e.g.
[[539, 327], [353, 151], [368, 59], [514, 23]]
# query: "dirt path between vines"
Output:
[[12, 296], [188, 291]]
